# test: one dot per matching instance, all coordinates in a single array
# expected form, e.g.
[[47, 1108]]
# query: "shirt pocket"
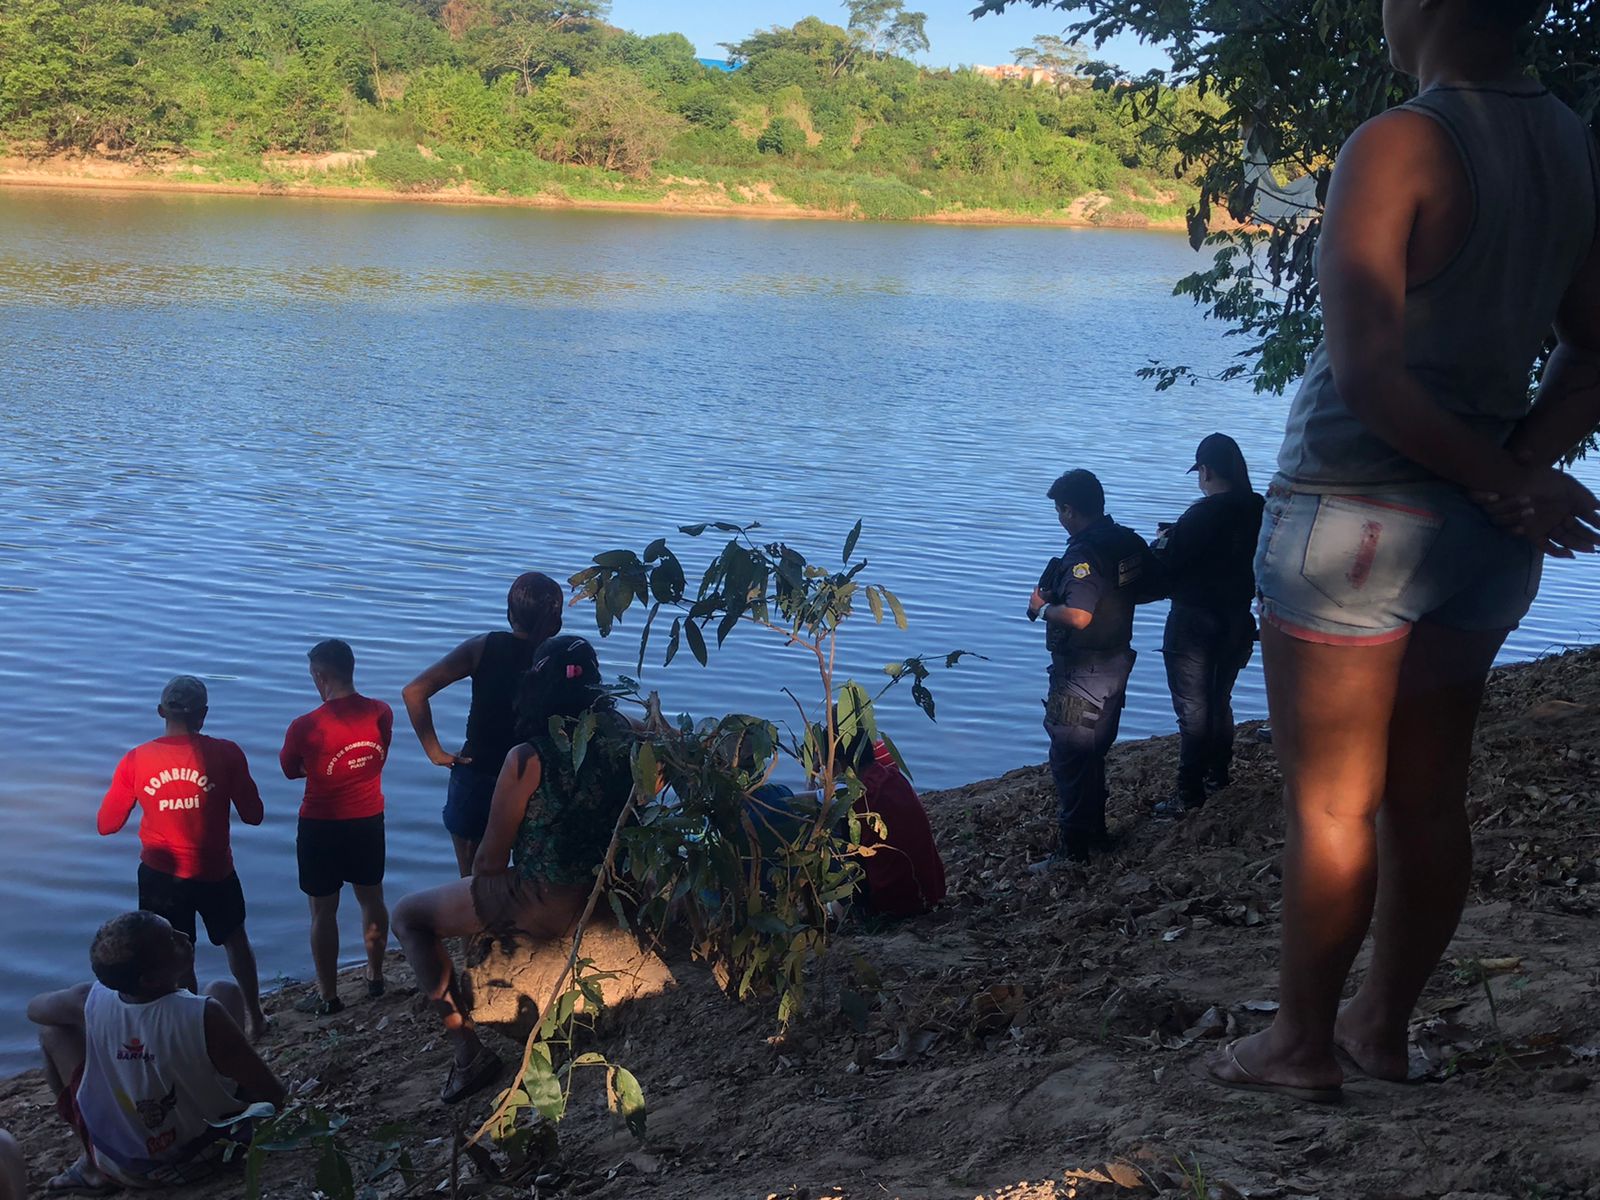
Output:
[[1365, 551]]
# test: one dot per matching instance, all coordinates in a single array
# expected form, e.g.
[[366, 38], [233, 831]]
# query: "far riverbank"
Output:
[[342, 177]]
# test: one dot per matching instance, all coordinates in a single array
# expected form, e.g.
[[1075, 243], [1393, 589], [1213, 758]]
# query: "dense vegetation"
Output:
[[523, 96], [1303, 74]]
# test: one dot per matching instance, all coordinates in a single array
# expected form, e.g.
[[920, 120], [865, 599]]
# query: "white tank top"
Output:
[[1472, 331], [149, 1092]]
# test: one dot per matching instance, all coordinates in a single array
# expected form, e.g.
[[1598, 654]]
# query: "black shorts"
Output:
[[334, 853], [219, 902]]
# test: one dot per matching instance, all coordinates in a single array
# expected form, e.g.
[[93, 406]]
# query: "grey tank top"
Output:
[[1473, 330]]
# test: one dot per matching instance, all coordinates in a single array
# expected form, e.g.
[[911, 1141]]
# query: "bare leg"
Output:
[[1330, 709], [62, 1046], [465, 852], [422, 921], [226, 993], [374, 928], [325, 943], [13, 1169], [242, 963], [1424, 842]]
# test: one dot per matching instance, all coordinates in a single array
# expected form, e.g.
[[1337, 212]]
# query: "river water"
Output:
[[233, 427]]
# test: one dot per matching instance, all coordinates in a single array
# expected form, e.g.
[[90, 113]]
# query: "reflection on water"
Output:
[[234, 427]]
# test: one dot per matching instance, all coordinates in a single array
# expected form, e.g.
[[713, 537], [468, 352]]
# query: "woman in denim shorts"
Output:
[[1403, 535]]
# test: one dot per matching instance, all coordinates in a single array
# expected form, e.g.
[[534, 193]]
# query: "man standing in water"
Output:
[[339, 750], [184, 783], [495, 662], [1086, 599]]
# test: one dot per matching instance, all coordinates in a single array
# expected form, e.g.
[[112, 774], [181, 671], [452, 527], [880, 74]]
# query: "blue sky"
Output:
[[956, 38]]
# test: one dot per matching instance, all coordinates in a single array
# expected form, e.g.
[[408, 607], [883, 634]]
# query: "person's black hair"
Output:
[[533, 605], [1081, 490], [334, 657], [564, 681], [1509, 16], [120, 953]]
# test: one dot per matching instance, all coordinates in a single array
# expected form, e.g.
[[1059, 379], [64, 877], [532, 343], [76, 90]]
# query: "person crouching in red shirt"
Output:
[[183, 784], [339, 750], [904, 873]]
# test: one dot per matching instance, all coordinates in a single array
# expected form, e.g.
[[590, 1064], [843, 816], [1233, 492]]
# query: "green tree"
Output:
[[1302, 74], [885, 26], [783, 137], [617, 122], [1067, 61]]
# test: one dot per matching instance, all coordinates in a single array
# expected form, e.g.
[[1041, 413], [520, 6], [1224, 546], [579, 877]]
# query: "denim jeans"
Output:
[[1204, 652], [1081, 716]]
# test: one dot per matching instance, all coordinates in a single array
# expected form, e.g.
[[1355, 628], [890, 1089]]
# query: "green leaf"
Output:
[[729, 622], [591, 1059], [630, 1099], [543, 1088], [334, 1177], [616, 560], [644, 638], [850, 542], [692, 530], [645, 770], [697, 642], [672, 641], [875, 602], [894, 607], [655, 550], [580, 740]]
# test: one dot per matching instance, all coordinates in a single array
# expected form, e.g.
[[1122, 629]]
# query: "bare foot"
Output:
[[1256, 1063], [1379, 1055], [82, 1178], [257, 1025]]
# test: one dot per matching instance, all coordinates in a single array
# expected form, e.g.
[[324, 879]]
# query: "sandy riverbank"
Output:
[[104, 175], [1047, 1027]]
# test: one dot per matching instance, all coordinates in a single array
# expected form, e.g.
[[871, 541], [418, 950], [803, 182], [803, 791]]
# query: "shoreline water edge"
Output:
[[1088, 212]]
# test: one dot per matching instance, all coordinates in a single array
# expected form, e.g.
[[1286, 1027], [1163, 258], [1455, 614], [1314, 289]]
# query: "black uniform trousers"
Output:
[[1081, 715], [1204, 650]]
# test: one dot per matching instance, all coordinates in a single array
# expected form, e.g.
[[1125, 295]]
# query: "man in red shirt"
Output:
[[183, 784], [339, 750]]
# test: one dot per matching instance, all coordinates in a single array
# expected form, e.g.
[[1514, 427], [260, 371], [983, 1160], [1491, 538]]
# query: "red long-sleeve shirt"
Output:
[[905, 874], [183, 786]]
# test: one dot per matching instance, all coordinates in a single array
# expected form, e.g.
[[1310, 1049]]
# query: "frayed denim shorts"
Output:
[[1361, 569]]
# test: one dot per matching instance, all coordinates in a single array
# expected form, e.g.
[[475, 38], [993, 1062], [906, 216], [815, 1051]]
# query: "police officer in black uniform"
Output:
[[1086, 599], [1207, 565]]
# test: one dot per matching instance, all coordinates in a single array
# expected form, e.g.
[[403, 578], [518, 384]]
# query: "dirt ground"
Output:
[[1035, 1038]]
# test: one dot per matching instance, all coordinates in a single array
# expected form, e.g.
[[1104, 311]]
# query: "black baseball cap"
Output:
[[1219, 452], [184, 696]]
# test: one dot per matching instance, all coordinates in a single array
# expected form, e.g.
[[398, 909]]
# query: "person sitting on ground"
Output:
[[339, 750], [547, 836], [148, 1074], [13, 1169], [1462, 227], [184, 783], [904, 873], [495, 662], [1207, 567]]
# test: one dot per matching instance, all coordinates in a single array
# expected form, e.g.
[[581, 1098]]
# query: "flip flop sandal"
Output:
[[72, 1182], [478, 1074], [1249, 1082]]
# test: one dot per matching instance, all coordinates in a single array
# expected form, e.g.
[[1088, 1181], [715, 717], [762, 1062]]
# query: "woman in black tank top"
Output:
[[495, 662]]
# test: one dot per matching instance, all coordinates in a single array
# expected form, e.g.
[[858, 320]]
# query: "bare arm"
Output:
[[452, 668], [235, 1058], [513, 791], [64, 1008], [1567, 409]]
